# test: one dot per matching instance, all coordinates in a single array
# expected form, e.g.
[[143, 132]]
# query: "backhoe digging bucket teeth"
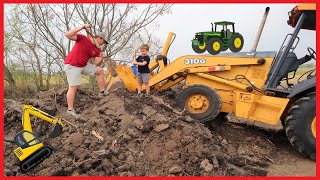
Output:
[[36, 158], [57, 130], [111, 66]]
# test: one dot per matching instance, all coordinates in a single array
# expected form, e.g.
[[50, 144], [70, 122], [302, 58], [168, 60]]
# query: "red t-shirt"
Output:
[[81, 52]]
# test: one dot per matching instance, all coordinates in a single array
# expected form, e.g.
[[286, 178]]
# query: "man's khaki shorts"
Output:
[[74, 73]]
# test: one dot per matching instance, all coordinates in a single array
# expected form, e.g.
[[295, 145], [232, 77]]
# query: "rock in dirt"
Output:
[[140, 173], [75, 140], [122, 168], [215, 163], [186, 140], [161, 127], [175, 169], [107, 166], [138, 124], [149, 111], [159, 118], [206, 166], [224, 142], [189, 119]]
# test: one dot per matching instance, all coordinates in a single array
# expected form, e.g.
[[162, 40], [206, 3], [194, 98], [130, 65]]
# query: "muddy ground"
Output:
[[144, 137]]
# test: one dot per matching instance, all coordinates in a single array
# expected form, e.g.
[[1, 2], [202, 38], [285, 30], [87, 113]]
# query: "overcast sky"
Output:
[[186, 19]]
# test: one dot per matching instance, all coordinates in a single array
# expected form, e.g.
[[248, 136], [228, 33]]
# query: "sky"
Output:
[[187, 19]]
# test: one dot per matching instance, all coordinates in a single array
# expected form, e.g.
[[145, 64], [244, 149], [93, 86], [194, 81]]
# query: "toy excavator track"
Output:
[[36, 158]]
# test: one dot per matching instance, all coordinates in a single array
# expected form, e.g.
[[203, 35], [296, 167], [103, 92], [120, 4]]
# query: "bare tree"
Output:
[[40, 28]]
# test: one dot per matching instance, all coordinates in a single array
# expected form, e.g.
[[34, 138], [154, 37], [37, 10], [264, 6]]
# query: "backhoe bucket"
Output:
[[57, 130], [111, 66], [114, 83], [125, 78]]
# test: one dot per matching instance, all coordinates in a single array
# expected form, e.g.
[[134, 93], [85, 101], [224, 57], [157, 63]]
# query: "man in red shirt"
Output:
[[76, 63]]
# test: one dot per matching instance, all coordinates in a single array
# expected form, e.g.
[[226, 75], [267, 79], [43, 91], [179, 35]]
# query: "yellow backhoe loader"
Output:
[[252, 85], [30, 150]]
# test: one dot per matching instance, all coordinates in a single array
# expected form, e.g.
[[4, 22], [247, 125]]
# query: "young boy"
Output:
[[143, 68]]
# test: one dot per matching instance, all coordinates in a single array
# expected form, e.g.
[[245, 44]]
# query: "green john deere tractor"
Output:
[[215, 41]]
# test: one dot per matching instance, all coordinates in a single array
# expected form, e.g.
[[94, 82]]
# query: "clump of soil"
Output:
[[124, 135]]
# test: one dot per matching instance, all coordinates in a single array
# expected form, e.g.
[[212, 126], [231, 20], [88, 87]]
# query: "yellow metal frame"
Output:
[[22, 154], [30, 110], [305, 7]]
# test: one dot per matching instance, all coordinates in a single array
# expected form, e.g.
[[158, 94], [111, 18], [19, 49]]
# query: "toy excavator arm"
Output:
[[30, 110]]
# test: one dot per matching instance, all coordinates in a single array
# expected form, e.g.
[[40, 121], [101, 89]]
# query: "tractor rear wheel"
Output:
[[214, 45], [202, 102], [235, 43], [199, 49], [300, 125]]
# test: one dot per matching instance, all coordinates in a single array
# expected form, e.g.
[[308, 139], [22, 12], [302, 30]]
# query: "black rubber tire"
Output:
[[214, 101], [298, 125], [197, 49], [231, 45], [210, 44]]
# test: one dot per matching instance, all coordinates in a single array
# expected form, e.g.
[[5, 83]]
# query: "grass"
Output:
[[300, 72], [26, 85]]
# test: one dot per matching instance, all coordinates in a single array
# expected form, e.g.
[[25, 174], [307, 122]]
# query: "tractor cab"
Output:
[[286, 63], [224, 28]]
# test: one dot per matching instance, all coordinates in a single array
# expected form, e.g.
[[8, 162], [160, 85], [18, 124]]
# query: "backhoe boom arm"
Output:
[[30, 110]]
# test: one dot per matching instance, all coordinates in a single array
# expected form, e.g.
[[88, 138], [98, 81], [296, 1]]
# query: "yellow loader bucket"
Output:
[[125, 78]]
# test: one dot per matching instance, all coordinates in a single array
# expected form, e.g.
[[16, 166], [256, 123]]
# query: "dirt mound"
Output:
[[129, 136]]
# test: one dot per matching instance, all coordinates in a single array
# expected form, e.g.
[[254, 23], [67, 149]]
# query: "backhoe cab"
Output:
[[301, 17]]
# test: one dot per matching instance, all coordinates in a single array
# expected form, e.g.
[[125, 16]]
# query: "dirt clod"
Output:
[[161, 127]]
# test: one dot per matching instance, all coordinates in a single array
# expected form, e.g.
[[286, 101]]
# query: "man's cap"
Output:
[[103, 36]]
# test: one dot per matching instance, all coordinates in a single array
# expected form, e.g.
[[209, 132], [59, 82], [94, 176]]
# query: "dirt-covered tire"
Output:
[[235, 43], [199, 49], [214, 45], [300, 125], [202, 102]]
